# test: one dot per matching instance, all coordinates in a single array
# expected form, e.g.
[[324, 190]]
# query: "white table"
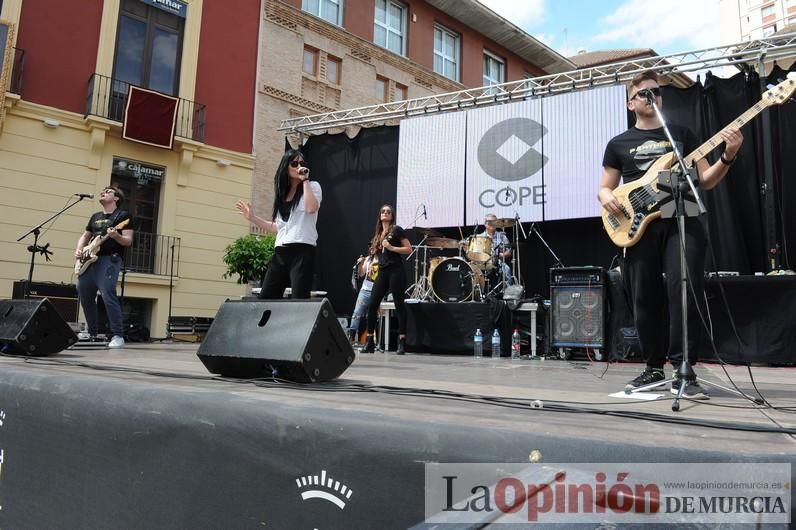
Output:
[[530, 307]]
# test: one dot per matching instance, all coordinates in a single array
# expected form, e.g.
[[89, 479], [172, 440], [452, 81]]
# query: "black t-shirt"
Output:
[[388, 257], [635, 150], [99, 223]]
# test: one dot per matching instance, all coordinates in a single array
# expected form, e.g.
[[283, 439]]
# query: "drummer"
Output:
[[501, 248]]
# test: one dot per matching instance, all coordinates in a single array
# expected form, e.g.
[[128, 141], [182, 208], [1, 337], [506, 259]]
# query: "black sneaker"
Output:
[[401, 347], [647, 377], [693, 390], [370, 346]]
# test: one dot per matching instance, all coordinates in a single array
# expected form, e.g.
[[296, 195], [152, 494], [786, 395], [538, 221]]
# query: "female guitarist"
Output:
[[102, 274], [657, 253]]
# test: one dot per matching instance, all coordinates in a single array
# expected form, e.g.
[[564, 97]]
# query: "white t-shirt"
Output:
[[300, 227]]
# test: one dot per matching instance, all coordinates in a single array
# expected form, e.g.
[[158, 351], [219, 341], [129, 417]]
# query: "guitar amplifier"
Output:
[[577, 316], [63, 296]]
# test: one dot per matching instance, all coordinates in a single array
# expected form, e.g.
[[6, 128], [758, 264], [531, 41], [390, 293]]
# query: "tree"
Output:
[[249, 257]]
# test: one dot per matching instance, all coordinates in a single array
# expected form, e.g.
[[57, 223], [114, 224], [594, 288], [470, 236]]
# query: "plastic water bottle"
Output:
[[496, 344], [478, 344], [515, 344]]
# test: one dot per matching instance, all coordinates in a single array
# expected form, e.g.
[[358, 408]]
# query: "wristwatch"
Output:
[[727, 162]]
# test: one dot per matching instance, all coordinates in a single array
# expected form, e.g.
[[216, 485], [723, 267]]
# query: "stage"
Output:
[[144, 437]]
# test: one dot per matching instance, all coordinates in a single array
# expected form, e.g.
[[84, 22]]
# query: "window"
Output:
[[329, 10], [389, 29], [381, 89], [333, 67], [769, 30], [494, 69], [310, 63], [767, 11], [148, 48], [446, 52], [401, 93]]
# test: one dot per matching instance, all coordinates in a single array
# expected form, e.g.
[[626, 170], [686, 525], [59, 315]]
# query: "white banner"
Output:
[[431, 170], [539, 159]]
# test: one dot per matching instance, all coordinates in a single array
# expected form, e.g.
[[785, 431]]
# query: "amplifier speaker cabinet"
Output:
[[63, 296], [577, 307]]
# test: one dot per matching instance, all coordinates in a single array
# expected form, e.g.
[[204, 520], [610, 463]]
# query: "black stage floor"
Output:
[[144, 437]]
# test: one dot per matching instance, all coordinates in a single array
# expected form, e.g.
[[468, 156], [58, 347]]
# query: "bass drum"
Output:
[[454, 280]]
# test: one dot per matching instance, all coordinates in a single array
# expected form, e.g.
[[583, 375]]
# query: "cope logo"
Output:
[[506, 151], [323, 487]]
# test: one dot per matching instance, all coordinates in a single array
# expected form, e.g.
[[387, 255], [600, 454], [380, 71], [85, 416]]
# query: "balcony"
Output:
[[17, 69], [153, 254], [107, 98]]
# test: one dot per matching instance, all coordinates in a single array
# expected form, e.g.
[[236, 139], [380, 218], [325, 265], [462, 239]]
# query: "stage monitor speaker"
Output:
[[297, 340], [577, 299], [33, 327]]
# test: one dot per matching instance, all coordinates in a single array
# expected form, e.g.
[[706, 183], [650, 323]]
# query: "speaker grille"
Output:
[[578, 316]]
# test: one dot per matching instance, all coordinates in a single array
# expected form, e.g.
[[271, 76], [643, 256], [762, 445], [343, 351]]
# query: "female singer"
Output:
[[389, 243], [297, 200]]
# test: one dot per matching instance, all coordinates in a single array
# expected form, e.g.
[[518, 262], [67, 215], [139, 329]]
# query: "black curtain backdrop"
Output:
[[360, 175]]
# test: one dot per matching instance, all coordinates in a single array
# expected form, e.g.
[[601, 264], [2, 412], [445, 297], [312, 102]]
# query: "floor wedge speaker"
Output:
[[297, 340], [33, 327]]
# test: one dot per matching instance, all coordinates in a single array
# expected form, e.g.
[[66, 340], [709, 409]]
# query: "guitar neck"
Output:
[[716, 140]]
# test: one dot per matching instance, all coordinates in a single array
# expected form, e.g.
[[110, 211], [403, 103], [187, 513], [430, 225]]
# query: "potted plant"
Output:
[[249, 256]]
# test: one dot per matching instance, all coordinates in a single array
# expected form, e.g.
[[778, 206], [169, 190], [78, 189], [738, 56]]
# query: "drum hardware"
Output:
[[430, 232], [420, 289]]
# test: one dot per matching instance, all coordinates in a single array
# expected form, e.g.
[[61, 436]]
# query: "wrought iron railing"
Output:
[[107, 98], [153, 254], [17, 69]]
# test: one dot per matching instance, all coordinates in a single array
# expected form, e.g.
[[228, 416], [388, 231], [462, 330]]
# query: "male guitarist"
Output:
[[102, 274], [657, 253]]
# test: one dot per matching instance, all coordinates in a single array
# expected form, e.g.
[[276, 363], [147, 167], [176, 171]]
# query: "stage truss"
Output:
[[753, 54]]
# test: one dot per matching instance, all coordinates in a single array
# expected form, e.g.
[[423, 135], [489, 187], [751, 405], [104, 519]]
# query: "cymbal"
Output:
[[442, 242], [502, 223], [430, 232]]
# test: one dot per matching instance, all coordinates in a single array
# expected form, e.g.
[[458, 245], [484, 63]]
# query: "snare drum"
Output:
[[454, 280], [479, 248]]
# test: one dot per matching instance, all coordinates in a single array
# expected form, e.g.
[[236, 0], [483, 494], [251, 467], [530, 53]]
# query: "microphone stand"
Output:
[[35, 248], [685, 373], [534, 230]]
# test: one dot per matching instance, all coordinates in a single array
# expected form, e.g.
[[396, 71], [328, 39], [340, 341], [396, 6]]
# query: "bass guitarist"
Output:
[[103, 274], [655, 298]]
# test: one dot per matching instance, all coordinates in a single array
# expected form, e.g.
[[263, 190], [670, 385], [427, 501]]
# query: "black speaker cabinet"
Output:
[[63, 296], [298, 340], [577, 305], [33, 327]]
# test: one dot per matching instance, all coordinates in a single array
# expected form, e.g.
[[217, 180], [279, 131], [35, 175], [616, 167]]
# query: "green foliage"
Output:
[[249, 256]]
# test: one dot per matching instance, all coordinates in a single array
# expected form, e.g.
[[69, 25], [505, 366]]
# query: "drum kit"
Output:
[[474, 273]]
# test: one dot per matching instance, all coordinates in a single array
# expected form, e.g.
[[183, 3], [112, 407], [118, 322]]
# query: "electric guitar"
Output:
[[89, 253], [640, 200]]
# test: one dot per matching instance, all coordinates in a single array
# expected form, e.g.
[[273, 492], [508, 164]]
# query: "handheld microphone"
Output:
[[425, 214], [84, 195], [304, 171], [647, 94], [507, 193]]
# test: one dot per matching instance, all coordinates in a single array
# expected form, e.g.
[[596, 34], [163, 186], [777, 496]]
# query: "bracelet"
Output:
[[727, 162]]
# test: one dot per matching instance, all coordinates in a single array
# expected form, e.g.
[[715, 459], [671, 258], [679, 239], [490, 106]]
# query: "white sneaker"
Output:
[[116, 342]]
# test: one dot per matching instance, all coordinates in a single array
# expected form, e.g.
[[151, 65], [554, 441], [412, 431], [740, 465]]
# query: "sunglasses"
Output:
[[296, 163], [386, 211], [656, 91]]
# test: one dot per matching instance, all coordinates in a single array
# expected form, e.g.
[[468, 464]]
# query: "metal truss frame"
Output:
[[742, 55]]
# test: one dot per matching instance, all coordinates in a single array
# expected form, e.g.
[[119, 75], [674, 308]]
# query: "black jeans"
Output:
[[652, 269], [392, 279], [292, 265]]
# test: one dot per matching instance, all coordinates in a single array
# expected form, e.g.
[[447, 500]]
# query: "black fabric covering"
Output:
[[763, 310], [359, 175], [449, 327]]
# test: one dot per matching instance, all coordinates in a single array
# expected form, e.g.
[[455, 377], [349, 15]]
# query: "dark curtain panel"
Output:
[[783, 118], [357, 176], [735, 209]]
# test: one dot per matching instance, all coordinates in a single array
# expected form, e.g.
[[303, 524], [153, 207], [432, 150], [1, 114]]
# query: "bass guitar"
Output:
[[640, 200], [89, 253]]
